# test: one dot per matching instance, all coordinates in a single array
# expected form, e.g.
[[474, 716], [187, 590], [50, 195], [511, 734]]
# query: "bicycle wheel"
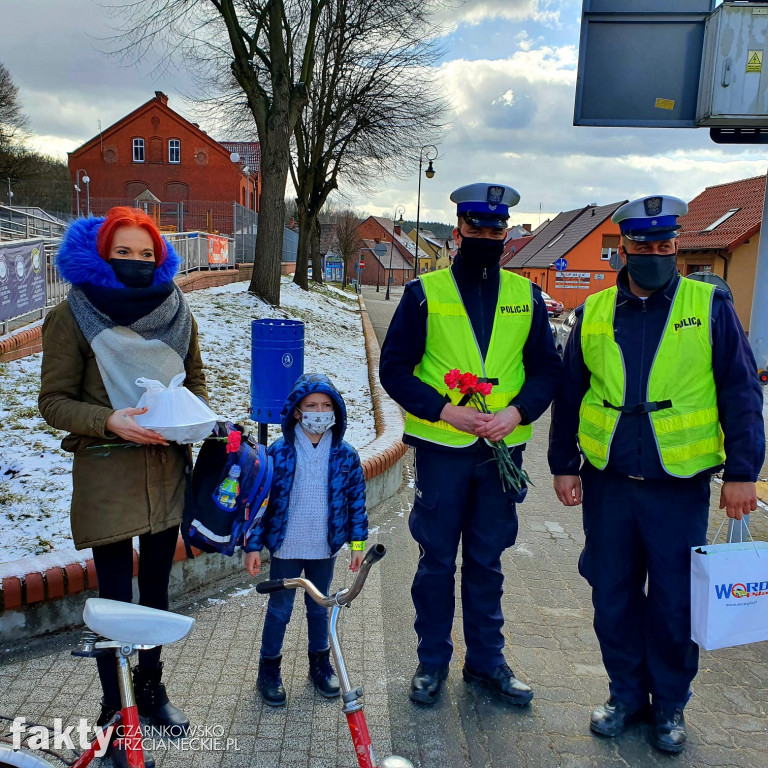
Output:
[[11, 759]]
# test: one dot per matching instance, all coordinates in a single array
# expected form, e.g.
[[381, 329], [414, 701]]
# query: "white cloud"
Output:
[[478, 11]]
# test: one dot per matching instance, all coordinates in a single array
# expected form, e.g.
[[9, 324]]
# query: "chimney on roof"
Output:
[[527, 227], [398, 229], [197, 125], [161, 97]]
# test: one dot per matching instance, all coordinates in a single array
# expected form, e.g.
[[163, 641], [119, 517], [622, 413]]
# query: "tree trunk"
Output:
[[265, 282], [302, 254], [317, 260]]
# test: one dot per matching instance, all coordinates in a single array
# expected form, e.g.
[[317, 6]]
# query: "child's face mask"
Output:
[[317, 422]]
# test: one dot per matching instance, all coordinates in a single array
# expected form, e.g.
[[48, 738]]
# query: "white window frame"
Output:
[[606, 253], [174, 148], [138, 144]]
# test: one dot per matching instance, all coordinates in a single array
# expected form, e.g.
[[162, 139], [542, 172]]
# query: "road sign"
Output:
[[361, 264], [561, 264], [380, 249]]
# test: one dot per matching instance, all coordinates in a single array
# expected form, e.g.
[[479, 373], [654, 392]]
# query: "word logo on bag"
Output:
[[748, 589]]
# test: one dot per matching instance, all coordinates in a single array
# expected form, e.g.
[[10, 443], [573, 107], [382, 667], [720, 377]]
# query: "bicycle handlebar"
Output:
[[344, 597], [273, 585]]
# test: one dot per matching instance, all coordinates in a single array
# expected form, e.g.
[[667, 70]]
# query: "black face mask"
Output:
[[651, 271], [481, 251], [133, 274]]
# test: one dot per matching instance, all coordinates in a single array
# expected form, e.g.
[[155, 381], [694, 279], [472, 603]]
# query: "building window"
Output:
[[174, 150], [717, 222], [610, 246], [138, 150]]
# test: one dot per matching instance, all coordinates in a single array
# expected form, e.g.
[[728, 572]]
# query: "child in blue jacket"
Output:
[[316, 505]]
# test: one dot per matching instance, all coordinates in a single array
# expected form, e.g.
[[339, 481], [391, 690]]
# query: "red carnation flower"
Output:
[[467, 383], [452, 378], [484, 389]]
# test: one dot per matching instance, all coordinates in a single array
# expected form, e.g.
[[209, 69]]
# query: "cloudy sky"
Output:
[[509, 72]]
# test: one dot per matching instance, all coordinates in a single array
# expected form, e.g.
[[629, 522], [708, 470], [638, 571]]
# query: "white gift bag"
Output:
[[729, 594], [174, 412]]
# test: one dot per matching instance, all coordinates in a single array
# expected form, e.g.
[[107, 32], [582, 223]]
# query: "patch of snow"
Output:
[[35, 495]]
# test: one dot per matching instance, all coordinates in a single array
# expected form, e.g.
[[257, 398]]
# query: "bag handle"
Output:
[[731, 535]]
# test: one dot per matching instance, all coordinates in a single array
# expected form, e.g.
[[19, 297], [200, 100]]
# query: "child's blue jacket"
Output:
[[347, 516]]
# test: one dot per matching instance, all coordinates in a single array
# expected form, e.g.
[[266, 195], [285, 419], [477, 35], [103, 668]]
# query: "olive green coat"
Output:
[[131, 490]]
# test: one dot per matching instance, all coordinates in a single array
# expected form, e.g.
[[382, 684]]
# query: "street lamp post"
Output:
[[399, 209], [430, 155], [10, 193], [87, 181]]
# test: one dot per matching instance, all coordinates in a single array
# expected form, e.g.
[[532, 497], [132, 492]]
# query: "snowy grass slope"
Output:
[[35, 474]]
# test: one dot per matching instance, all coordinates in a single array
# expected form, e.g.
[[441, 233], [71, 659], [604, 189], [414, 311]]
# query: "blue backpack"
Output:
[[208, 525]]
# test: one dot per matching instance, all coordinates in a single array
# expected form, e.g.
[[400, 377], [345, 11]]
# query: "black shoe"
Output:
[[427, 682], [669, 734], [322, 674], [269, 683], [119, 758], [503, 681], [152, 701], [611, 718]]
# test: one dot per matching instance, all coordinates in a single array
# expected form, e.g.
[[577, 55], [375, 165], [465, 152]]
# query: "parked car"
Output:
[[563, 331], [554, 307], [553, 329]]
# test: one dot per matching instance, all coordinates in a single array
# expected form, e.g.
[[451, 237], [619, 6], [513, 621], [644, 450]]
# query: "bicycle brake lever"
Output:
[[273, 585]]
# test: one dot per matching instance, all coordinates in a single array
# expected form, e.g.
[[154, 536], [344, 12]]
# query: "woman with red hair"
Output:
[[124, 318]]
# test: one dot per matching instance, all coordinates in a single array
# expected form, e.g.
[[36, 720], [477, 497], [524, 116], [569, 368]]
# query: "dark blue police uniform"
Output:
[[459, 497], [640, 523]]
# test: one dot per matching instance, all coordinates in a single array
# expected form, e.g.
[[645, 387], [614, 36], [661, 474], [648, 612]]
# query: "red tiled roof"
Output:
[[512, 247], [747, 195]]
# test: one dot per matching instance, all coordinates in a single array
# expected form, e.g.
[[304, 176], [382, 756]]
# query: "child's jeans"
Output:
[[320, 573]]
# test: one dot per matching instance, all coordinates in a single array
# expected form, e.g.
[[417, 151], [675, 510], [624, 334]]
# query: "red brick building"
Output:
[[399, 257], [185, 178]]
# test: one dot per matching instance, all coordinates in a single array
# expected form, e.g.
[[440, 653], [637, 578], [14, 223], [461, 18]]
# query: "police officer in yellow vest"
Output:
[[477, 318], [659, 391]]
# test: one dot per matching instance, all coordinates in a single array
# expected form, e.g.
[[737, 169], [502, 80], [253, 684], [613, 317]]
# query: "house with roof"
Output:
[[187, 179], [721, 233], [397, 262], [585, 239], [433, 250]]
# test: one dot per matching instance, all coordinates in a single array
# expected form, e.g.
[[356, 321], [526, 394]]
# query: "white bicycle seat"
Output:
[[136, 624]]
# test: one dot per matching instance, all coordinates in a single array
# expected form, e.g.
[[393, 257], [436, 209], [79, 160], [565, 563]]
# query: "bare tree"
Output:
[[348, 239], [265, 49], [373, 98], [13, 129]]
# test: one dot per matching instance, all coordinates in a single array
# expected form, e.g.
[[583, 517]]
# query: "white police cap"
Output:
[[650, 218], [485, 205]]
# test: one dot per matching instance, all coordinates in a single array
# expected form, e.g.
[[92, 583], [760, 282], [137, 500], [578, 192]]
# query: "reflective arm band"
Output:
[[357, 545]]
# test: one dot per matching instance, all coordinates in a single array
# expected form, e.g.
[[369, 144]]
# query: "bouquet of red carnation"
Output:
[[511, 475]]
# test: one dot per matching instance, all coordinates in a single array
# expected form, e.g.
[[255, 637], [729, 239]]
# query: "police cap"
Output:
[[485, 205], [650, 218]]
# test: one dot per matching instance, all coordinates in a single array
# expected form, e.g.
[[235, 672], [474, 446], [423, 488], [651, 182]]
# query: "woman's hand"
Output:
[[123, 425], [253, 562]]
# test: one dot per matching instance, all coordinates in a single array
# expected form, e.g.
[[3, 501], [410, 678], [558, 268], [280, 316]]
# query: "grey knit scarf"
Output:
[[153, 347]]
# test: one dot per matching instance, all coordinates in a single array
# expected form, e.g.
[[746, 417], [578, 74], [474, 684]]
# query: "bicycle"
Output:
[[122, 628], [350, 697]]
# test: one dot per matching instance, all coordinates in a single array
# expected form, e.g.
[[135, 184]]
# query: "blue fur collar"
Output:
[[79, 261]]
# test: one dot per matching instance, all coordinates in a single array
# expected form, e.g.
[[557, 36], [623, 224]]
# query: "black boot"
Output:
[[427, 683], [119, 758], [153, 703], [322, 674], [668, 733], [269, 683]]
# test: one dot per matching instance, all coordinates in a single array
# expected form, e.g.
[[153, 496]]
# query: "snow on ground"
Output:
[[35, 474]]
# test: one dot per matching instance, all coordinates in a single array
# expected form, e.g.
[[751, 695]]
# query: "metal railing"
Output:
[[16, 224], [192, 248]]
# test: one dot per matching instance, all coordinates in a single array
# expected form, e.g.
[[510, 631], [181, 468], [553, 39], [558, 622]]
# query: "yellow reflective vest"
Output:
[[451, 343], [681, 399]]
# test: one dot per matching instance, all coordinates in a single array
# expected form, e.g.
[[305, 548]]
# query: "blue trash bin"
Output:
[[277, 360]]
